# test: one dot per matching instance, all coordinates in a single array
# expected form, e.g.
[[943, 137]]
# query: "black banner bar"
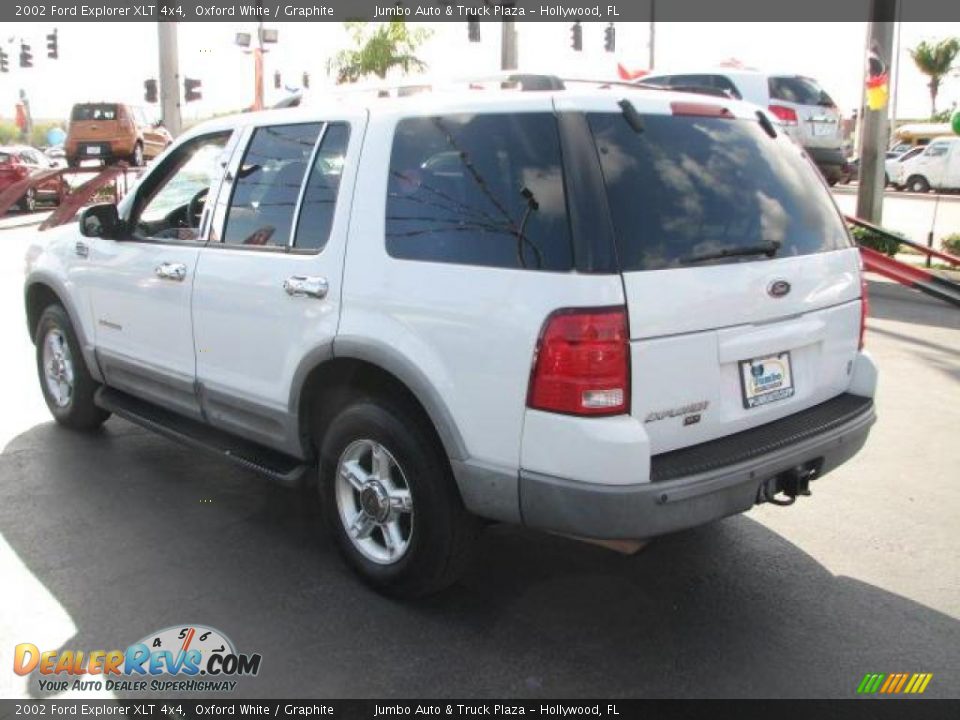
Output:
[[464, 10], [152, 709]]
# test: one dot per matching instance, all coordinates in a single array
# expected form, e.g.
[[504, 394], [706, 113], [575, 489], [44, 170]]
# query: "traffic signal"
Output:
[[150, 90], [306, 80], [53, 51], [576, 36], [473, 27], [610, 38], [276, 79], [26, 56], [4, 61], [191, 89]]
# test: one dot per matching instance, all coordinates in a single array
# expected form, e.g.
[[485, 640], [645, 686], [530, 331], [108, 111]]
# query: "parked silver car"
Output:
[[804, 109]]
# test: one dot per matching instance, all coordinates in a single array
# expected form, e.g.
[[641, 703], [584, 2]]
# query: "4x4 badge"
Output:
[[778, 288]]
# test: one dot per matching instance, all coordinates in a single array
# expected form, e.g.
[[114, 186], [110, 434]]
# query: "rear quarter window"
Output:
[[686, 187], [479, 190]]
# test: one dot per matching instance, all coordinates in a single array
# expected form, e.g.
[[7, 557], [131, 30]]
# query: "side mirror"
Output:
[[101, 221]]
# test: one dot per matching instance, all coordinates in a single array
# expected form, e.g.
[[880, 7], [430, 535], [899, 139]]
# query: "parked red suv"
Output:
[[16, 163]]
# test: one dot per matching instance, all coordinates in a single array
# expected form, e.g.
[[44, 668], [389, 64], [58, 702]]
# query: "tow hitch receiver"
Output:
[[792, 483]]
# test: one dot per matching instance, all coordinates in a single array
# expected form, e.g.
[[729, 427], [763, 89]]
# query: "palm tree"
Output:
[[935, 60], [389, 45]]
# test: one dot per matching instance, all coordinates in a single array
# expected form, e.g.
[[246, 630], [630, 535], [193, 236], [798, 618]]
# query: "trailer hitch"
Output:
[[793, 483]]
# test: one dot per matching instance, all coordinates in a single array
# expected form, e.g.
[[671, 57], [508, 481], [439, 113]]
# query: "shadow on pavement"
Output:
[[113, 526], [903, 304]]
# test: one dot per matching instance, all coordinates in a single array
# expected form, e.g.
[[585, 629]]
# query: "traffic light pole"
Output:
[[508, 45], [169, 77], [874, 131]]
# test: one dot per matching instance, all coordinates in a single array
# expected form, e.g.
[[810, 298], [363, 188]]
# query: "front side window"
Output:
[[268, 184], [479, 190], [935, 150], [687, 191], [173, 197]]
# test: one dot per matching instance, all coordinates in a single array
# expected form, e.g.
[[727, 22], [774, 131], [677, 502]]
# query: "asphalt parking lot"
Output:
[[105, 538]]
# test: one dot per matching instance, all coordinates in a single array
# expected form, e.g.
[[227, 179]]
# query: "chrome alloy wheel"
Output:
[[374, 501], [58, 369]]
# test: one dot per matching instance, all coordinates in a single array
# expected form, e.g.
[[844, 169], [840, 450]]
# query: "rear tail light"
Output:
[[864, 311], [787, 116], [582, 363]]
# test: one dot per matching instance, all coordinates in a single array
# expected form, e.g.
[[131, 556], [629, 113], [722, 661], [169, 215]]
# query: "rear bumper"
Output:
[[706, 482]]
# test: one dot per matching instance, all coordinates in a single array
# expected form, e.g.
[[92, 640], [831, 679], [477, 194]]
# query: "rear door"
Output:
[[742, 285], [267, 290], [818, 119]]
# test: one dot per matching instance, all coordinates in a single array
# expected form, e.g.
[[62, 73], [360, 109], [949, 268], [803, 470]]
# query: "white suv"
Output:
[[601, 311]]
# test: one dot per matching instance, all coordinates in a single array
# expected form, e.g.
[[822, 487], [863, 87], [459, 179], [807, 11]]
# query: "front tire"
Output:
[[918, 184], [390, 500], [67, 386]]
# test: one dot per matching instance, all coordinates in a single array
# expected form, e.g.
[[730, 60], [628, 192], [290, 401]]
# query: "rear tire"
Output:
[[918, 184], [390, 500], [65, 381]]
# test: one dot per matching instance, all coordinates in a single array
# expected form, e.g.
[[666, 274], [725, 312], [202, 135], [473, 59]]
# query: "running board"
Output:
[[276, 466]]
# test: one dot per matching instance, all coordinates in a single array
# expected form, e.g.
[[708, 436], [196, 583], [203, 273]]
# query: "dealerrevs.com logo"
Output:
[[182, 658]]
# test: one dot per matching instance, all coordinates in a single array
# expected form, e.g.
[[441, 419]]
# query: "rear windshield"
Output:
[[799, 90], [98, 111], [686, 189]]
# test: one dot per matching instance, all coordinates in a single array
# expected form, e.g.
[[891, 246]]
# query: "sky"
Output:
[[110, 61]]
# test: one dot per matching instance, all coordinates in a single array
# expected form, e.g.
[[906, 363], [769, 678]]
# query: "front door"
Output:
[[267, 291], [140, 284]]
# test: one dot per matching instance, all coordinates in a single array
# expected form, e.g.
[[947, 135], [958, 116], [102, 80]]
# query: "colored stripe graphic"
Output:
[[894, 683]]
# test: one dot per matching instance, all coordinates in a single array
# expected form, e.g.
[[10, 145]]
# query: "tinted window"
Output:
[[687, 187], [99, 111], [935, 150], [724, 83], [479, 189], [798, 90], [320, 197], [662, 80], [5, 158], [268, 184]]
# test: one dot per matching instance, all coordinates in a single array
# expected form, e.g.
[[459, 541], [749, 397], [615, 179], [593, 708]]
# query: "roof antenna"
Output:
[[631, 115]]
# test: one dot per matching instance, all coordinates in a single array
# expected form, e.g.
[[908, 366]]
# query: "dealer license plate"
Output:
[[766, 379]]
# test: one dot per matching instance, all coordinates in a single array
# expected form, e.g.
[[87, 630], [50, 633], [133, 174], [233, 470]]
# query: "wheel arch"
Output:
[[40, 293], [352, 368]]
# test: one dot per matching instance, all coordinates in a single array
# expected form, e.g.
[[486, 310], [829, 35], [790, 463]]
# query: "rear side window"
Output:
[[479, 190], [268, 185], [691, 190], [798, 90], [94, 111], [320, 197], [5, 158]]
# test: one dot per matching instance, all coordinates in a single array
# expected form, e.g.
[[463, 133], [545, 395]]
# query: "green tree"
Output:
[[378, 50], [935, 60]]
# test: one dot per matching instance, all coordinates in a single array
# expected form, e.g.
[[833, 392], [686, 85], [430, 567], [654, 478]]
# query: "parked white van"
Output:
[[937, 167]]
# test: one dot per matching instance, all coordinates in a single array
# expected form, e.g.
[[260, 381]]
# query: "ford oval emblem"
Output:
[[778, 288]]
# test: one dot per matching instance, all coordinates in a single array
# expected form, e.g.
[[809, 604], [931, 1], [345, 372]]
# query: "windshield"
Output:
[[689, 187], [100, 111], [799, 90]]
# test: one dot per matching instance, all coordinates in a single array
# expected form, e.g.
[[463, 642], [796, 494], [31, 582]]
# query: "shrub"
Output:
[[951, 244], [875, 241]]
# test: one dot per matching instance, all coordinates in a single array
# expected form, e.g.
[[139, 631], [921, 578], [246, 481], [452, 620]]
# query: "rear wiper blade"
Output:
[[769, 249]]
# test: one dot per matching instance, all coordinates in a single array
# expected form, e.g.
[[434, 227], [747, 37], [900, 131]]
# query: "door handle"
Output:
[[309, 286], [82, 249], [171, 271]]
